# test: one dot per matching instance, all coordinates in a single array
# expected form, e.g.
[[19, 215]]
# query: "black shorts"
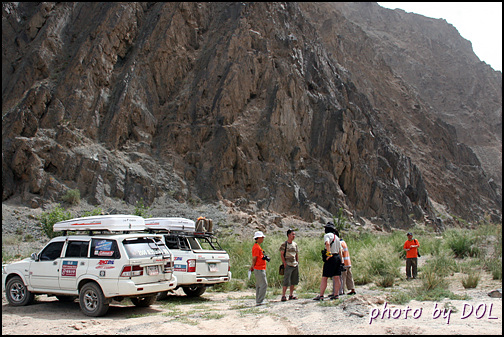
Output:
[[332, 267]]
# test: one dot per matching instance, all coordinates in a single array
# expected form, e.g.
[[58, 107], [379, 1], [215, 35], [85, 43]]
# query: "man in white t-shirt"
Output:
[[332, 266]]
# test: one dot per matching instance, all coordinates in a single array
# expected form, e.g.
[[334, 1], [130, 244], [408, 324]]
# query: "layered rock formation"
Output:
[[286, 105]]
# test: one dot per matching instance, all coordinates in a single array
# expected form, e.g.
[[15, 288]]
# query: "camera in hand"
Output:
[[266, 257]]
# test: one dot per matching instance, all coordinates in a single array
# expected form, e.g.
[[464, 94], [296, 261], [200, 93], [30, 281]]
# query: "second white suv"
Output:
[[95, 267], [200, 262]]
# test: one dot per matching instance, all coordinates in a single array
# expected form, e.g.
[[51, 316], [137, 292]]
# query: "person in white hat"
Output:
[[259, 267]]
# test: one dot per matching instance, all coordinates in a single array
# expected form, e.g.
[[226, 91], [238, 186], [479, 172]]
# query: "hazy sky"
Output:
[[478, 22]]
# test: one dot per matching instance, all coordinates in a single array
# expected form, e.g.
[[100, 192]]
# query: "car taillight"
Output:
[[168, 266], [191, 266], [129, 271]]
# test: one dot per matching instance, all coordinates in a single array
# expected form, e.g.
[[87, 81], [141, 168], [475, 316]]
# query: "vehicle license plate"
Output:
[[152, 270], [213, 267]]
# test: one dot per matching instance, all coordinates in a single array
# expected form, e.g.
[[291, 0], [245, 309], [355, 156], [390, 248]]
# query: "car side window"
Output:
[[77, 249], [52, 251], [177, 242], [104, 248], [171, 242]]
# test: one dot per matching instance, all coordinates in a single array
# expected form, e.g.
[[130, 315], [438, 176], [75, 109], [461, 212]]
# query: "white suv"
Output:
[[95, 267], [199, 260]]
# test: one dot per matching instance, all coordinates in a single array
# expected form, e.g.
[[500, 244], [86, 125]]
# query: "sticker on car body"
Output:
[[105, 264], [180, 267], [69, 268]]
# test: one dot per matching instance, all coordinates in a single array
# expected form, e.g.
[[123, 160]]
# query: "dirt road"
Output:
[[235, 313]]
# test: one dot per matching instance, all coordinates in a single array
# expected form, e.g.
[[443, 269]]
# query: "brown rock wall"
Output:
[[271, 103]]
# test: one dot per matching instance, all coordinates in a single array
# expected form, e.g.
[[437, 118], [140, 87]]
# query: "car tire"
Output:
[[163, 295], [194, 291], [144, 301], [91, 300], [17, 293]]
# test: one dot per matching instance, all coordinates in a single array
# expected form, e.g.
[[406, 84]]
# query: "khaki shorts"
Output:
[[291, 276]]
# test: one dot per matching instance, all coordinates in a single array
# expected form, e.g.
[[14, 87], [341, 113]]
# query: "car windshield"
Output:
[[145, 247]]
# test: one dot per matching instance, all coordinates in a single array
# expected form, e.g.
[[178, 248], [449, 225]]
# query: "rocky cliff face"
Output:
[[298, 108]]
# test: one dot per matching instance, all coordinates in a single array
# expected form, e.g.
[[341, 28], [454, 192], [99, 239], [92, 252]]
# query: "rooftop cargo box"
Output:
[[171, 224], [111, 223], [201, 226]]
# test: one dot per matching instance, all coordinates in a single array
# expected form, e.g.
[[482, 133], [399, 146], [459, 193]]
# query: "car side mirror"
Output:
[[34, 256]]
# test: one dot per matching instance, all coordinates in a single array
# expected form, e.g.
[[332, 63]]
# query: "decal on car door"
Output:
[[69, 268]]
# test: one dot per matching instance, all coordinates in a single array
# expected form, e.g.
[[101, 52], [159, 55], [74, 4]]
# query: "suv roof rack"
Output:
[[103, 223], [175, 225]]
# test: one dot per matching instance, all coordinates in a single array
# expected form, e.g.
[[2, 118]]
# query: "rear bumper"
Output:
[[129, 288], [193, 279]]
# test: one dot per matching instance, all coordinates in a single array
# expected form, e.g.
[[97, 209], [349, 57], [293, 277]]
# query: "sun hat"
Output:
[[329, 224], [258, 234]]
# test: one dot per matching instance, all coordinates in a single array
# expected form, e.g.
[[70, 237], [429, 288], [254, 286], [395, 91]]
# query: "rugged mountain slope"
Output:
[[249, 102]]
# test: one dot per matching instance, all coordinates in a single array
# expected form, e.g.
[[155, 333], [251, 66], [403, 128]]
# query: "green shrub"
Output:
[[471, 280], [461, 242], [443, 263], [400, 297], [141, 209], [48, 219], [341, 221], [72, 197], [379, 262], [385, 281], [432, 280], [437, 294], [95, 211], [494, 266]]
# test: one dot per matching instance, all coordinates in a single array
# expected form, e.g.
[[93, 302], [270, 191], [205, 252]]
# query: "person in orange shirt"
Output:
[[346, 276], [411, 247], [259, 267]]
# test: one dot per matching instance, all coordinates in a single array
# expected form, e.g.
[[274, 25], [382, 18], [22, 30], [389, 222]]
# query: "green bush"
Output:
[[385, 281], [341, 221], [48, 219], [437, 294], [141, 209], [432, 280], [379, 262], [494, 266], [95, 211], [72, 197], [471, 280], [442, 263], [461, 242]]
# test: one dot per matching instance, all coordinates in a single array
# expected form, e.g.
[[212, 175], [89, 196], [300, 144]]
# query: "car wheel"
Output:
[[194, 291], [163, 295], [91, 300], [16, 292], [145, 301]]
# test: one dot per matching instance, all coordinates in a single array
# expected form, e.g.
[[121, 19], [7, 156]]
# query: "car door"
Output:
[[74, 263], [44, 272]]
